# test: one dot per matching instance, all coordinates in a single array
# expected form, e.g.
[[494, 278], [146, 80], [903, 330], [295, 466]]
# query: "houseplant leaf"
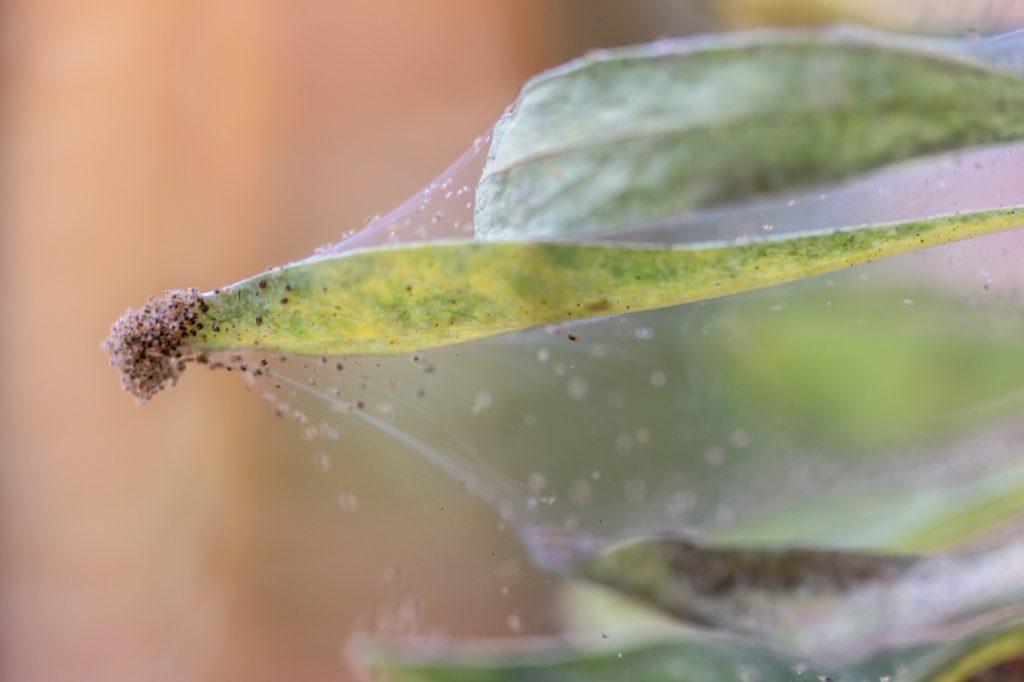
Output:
[[399, 299], [832, 606], [629, 136]]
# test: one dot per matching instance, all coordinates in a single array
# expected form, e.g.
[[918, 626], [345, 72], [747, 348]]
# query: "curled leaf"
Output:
[[835, 606]]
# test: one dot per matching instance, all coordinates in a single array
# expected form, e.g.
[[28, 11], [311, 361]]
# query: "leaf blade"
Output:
[[401, 299], [836, 606], [639, 134]]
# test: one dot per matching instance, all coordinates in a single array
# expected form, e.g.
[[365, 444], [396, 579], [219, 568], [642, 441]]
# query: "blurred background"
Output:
[[150, 145]]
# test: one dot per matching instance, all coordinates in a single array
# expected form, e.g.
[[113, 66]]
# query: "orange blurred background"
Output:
[[150, 145]]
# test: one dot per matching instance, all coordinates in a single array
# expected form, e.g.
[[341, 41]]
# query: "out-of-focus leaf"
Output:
[[629, 136], [992, 656], [594, 611], [687, 656], [616, 641], [869, 374], [826, 605], [908, 15], [943, 514], [684, 656], [911, 408]]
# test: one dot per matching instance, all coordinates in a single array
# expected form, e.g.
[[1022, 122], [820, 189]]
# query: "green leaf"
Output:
[[923, 379], [635, 135], [906, 401], [839, 606], [616, 140], [400, 299], [996, 655], [615, 643], [938, 515], [686, 656]]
